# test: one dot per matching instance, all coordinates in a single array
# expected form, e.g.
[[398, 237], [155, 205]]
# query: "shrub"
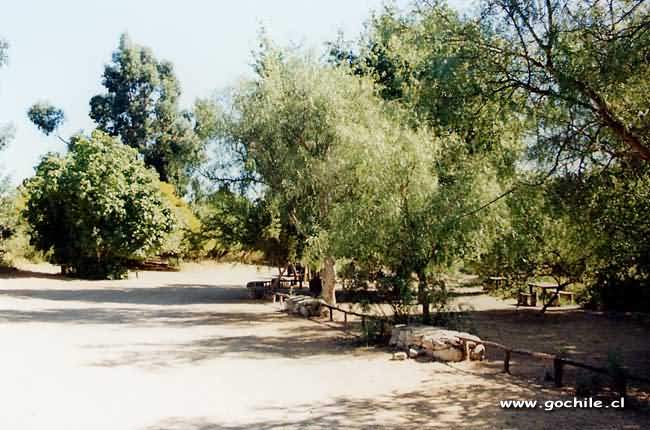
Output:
[[96, 208]]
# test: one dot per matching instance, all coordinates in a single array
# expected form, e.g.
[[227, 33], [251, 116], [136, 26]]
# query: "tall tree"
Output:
[[582, 67], [6, 133], [415, 61], [283, 129], [141, 106]]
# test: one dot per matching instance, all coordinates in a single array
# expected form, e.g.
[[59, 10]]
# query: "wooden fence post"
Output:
[[506, 361], [331, 316], [345, 319], [558, 370], [620, 384]]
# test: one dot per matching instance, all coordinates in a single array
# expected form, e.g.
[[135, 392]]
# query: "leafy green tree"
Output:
[[233, 223], [614, 239], [415, 61], [6, 133], [538, 237], [283, 131], [582, 69], [414, 208], [141, 107], [96, 208], [347, 170], [46, 117]]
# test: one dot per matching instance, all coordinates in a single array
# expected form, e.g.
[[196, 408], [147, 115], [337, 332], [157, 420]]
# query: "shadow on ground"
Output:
[[455, 406], [29, 274], [171, 294], [576, 334], [157, 317], [296, 344]]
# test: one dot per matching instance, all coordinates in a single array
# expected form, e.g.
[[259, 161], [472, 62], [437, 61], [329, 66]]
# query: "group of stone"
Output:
[[435, 343], [307, 306], [413, 341]]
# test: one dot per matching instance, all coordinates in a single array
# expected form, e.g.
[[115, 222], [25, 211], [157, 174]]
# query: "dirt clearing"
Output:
[[189, 351]]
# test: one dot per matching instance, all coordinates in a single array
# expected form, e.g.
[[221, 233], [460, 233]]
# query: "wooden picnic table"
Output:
[[544, 287]]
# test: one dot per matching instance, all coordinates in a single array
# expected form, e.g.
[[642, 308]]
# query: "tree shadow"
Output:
[[575, 334], [137, 317], [30, 274], [171, 294], [474, 406], [299, 344]]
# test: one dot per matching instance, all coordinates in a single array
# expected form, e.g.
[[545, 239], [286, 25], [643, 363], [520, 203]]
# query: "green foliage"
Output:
[[288, 131], [7, 220], [616, 203], [141, 107], [582, 69], [179, 243], [46, 117], [232, 223], [536, 238], [96, 208], [414, 60], [14, 230]]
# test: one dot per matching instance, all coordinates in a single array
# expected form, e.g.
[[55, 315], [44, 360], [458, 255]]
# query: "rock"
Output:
[[401, 355], [477, 353], [436, 342], [413, 353], [448, 354], [303, 305]]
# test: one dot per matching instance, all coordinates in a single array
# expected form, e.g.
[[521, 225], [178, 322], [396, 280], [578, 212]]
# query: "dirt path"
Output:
[[188, 351]]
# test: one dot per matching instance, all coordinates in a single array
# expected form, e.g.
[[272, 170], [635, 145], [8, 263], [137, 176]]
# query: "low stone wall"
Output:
[[436, 343], [306, 306]]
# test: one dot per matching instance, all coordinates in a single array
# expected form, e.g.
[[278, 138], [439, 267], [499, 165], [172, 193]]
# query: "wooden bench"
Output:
[[526, 299], [258, 289], [567, 294]]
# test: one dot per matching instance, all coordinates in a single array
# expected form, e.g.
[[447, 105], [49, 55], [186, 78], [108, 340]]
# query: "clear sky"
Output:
[[58, 49]]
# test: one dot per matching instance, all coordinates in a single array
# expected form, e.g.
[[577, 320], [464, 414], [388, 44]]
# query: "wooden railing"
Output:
[[331, 308], [620, 378]]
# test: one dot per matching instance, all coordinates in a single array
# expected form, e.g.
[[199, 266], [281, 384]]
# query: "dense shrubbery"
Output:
[[96, 208]]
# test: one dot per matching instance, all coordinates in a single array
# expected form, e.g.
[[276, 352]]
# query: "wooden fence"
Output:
[[620, 378]]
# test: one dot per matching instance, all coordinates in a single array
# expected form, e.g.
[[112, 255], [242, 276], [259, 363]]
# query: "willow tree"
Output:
[[414, 208], [582, 68], [349, 171], [285, 129], [417, 61]]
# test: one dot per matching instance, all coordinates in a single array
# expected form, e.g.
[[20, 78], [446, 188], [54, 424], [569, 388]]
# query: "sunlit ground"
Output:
[[189, 351]]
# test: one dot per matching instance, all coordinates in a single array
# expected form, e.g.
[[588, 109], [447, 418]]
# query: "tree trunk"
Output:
[[329, 281]]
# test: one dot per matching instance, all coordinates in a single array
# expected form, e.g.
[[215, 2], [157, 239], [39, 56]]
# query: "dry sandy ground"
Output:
[[187, 351]]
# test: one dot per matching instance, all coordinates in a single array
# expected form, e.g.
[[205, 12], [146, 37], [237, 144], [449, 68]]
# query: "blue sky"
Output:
[[58, 50]]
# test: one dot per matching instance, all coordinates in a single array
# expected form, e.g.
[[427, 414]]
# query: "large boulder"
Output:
[[438, 343], [306, 306]]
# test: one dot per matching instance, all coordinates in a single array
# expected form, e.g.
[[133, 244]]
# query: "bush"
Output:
[[96, 208]]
